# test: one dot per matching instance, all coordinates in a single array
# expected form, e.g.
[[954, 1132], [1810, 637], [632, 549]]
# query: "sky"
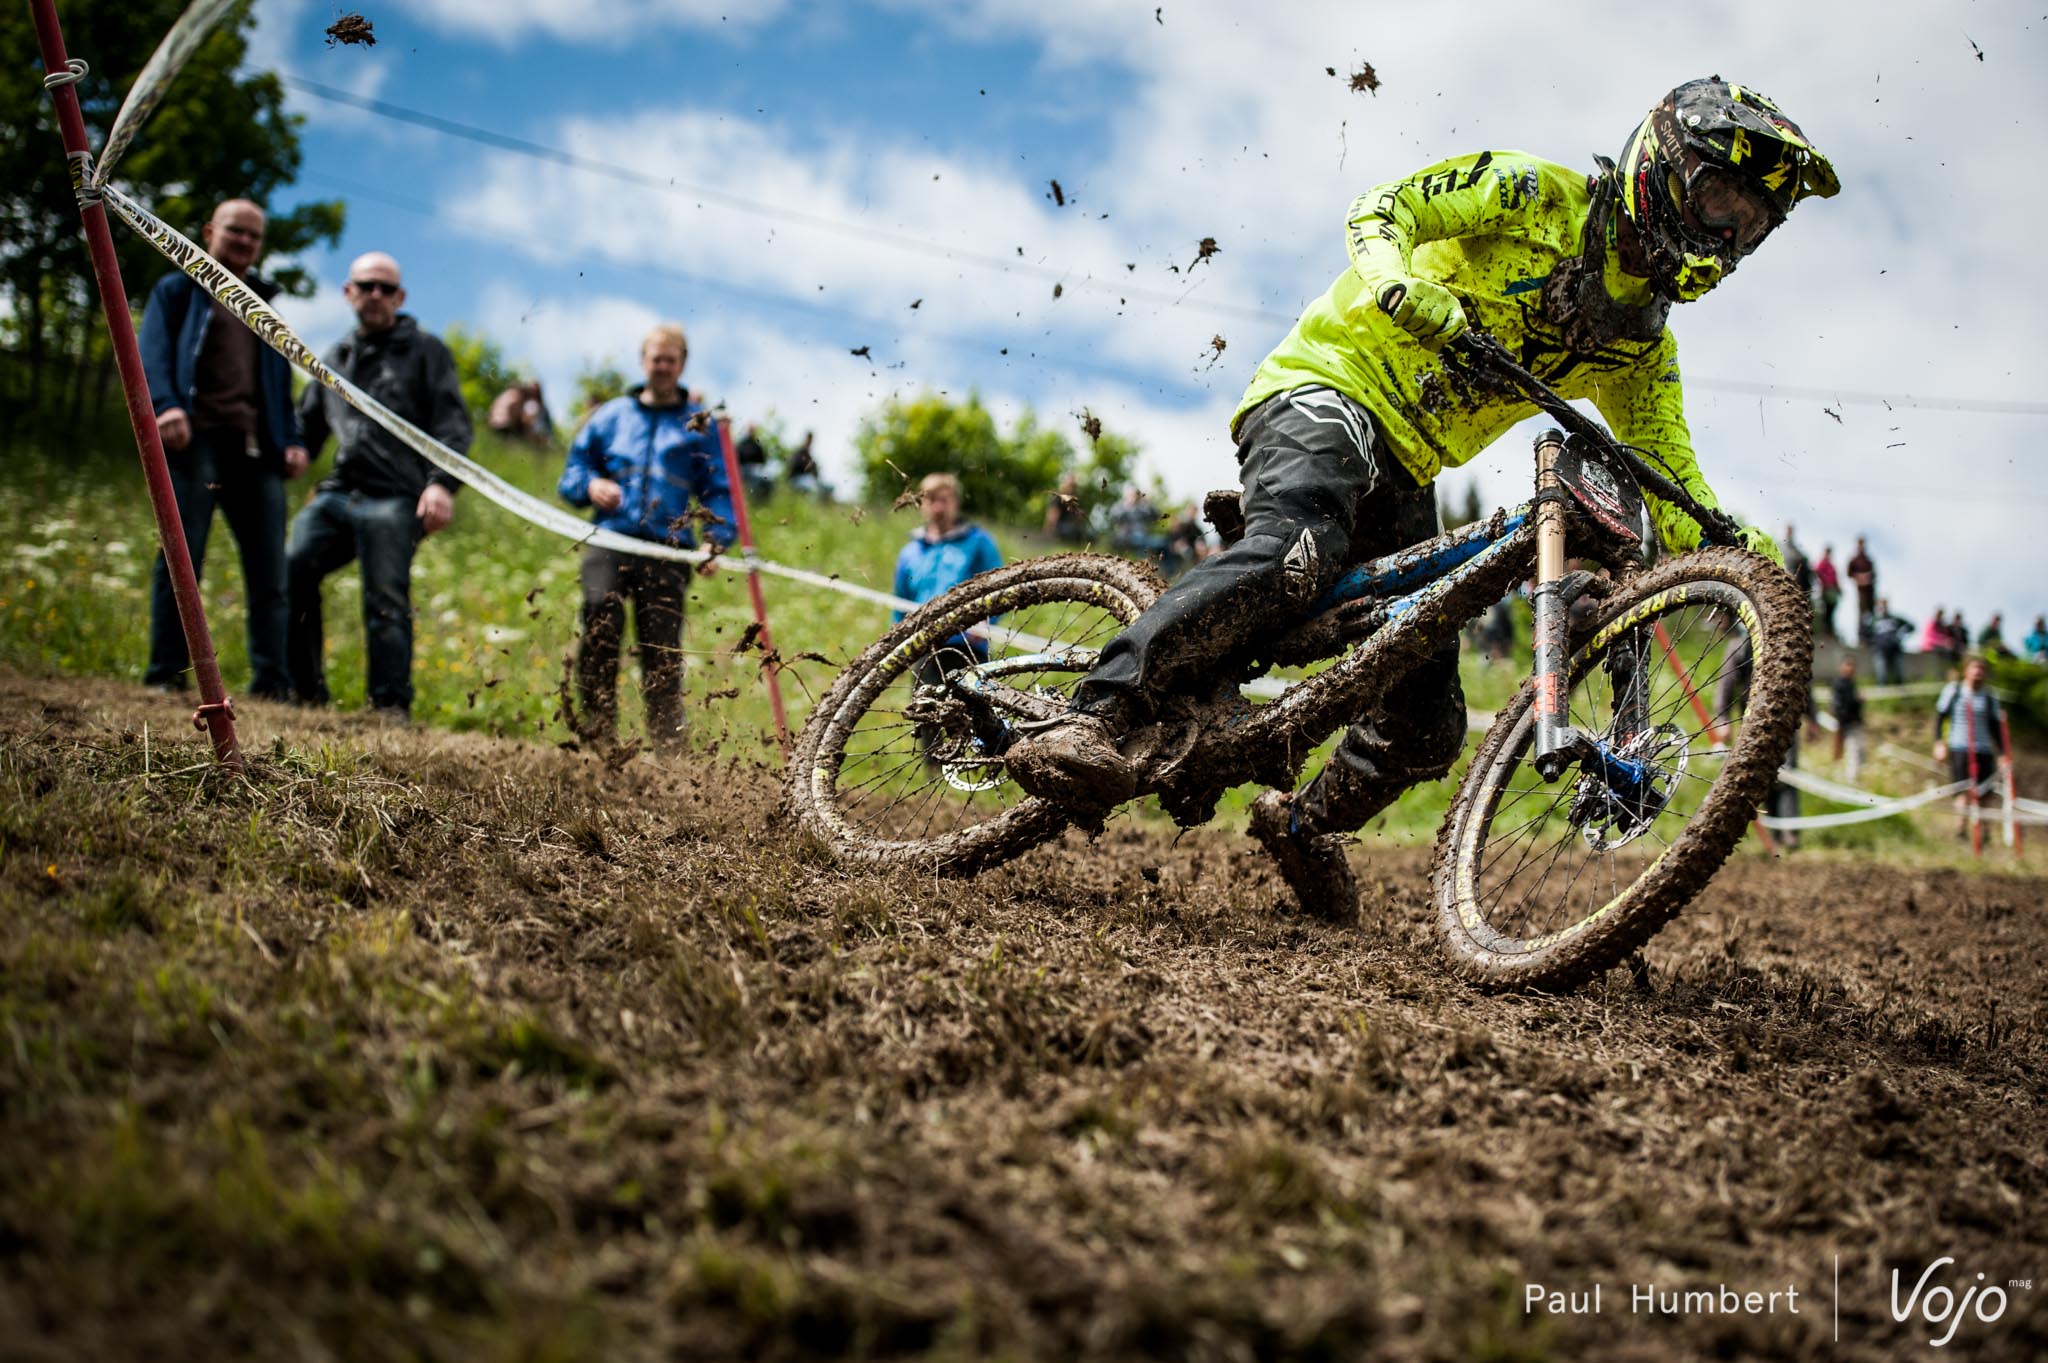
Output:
[[796, 181]]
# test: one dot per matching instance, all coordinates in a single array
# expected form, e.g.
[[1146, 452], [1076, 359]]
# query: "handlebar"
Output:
[[1488, 356]]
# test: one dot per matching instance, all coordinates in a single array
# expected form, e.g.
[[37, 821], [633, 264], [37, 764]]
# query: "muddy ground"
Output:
[[439, 1046]]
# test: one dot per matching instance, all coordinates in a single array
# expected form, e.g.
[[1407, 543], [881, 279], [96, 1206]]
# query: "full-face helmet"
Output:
[[1706, 177]]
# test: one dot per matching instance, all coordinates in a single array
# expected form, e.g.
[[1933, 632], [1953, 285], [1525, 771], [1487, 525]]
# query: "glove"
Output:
[[1757, 542], [1424, 309]]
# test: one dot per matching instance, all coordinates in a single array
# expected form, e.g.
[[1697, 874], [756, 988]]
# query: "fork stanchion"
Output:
[[215, 713], [1706, 718], [770, 663]]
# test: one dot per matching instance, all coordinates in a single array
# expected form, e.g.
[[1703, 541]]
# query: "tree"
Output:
[[217, 135], [480, 365], [1002, 479]]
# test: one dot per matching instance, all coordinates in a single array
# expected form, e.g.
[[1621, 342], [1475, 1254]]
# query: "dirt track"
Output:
[[443, 1046]]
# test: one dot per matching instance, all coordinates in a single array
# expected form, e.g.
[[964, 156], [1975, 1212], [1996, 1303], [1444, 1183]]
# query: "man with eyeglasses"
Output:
[[231, 437], [381, 499]]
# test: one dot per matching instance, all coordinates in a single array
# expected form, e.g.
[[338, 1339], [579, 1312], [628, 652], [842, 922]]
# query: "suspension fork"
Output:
[[1558, 745]]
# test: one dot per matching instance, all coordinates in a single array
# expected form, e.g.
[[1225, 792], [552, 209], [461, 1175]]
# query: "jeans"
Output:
[[383, 532], [1890, 671], [214, 471], [657, 588]]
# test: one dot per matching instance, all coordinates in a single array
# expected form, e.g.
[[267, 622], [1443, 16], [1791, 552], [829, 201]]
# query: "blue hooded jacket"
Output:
[[928, 568], [174, 324], [660, 465]]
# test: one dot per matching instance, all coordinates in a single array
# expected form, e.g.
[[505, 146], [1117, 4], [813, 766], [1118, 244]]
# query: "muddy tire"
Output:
[[857, 781], [1542, 895]]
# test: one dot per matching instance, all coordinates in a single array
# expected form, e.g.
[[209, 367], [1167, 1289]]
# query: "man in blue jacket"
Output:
[[943, 553], [231, 436], [640, 461]]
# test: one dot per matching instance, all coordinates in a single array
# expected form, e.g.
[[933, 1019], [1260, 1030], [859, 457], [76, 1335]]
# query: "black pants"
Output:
[[1320, 494], [657, 588], [382, 534], [216, 471]]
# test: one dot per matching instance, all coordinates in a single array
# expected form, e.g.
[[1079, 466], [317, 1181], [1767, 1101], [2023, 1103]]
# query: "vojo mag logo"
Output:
[[1944, 1308]]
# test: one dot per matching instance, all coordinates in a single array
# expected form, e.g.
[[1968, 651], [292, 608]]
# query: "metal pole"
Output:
[[771, 663], [1713, 730], [215, 713]]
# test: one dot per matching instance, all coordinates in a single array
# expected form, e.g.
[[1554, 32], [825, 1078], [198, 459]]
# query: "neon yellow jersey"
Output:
[[1490, 227]]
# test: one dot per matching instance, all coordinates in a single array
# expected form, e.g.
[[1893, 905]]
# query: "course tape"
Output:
[[162, 68]]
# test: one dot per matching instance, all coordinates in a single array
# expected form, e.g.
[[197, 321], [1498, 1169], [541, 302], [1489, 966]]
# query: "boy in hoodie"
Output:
[[943, 553], [640, 461]]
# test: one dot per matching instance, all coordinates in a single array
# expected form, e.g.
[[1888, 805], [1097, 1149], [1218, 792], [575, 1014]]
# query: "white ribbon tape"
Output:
[[157, 74]]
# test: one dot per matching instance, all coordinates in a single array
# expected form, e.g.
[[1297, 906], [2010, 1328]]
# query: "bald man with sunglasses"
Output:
[[381, 499]]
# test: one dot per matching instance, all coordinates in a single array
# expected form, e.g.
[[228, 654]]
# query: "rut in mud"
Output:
[[444, 1046]]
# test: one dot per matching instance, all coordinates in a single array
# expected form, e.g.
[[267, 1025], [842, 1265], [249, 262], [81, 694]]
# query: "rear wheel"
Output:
[[1546, 884], [901, 763]]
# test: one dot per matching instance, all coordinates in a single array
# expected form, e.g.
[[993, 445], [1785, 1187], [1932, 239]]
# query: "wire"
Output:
[[922, 246], [901, 241]]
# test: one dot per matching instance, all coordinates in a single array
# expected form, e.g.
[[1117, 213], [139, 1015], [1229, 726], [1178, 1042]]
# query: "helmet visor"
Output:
[[1733, 209]]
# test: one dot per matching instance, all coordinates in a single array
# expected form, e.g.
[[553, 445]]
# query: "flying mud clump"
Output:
[[351, 30]]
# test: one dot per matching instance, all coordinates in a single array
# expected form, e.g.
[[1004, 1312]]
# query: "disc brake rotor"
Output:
[[1607, 817]]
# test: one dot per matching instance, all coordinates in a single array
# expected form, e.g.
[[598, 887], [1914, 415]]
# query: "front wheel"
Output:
[[902, 763], [1690, 682]]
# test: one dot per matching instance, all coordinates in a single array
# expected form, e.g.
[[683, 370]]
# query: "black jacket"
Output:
[[174, 327], [412, 373]]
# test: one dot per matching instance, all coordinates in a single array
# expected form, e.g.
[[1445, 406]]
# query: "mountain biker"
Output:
[[1349, 420]]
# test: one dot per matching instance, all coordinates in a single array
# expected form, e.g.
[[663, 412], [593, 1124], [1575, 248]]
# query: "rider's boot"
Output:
[[1074, 761], [1306, 834]]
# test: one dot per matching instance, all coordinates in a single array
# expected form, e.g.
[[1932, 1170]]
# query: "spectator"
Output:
[[1888, 635], [1186, 541], [1065, 518], [1783, 800], [1848, 706], [1731, 692], [752, 457], [1796, 564], [1992, 638], [1967, 721], [382, 498], [1497, 634], [943, 553], [518, 413], [1958, 637], [639, 463], [1863, 573], [1830, 582], [803, 472], [1131, 526], [1934, 637], [231, 438], [2037, 642]]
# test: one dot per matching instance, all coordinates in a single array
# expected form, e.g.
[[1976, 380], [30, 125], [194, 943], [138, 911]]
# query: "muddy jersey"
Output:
[[1491, 228]]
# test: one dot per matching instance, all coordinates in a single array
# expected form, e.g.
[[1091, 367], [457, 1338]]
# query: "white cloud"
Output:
[[1224, 122], [507, 21]]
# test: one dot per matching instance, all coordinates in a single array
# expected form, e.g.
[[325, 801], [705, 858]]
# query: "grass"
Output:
[[497, 606]]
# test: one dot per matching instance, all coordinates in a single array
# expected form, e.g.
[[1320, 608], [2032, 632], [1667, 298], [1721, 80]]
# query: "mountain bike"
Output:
[[1663, 697]]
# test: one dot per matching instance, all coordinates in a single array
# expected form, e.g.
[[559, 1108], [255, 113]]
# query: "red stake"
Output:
[[215, 713], [1705, 717], [746, 529]]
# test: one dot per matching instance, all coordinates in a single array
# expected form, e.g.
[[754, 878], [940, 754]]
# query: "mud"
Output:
[[439, 1046], [351, 30]]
